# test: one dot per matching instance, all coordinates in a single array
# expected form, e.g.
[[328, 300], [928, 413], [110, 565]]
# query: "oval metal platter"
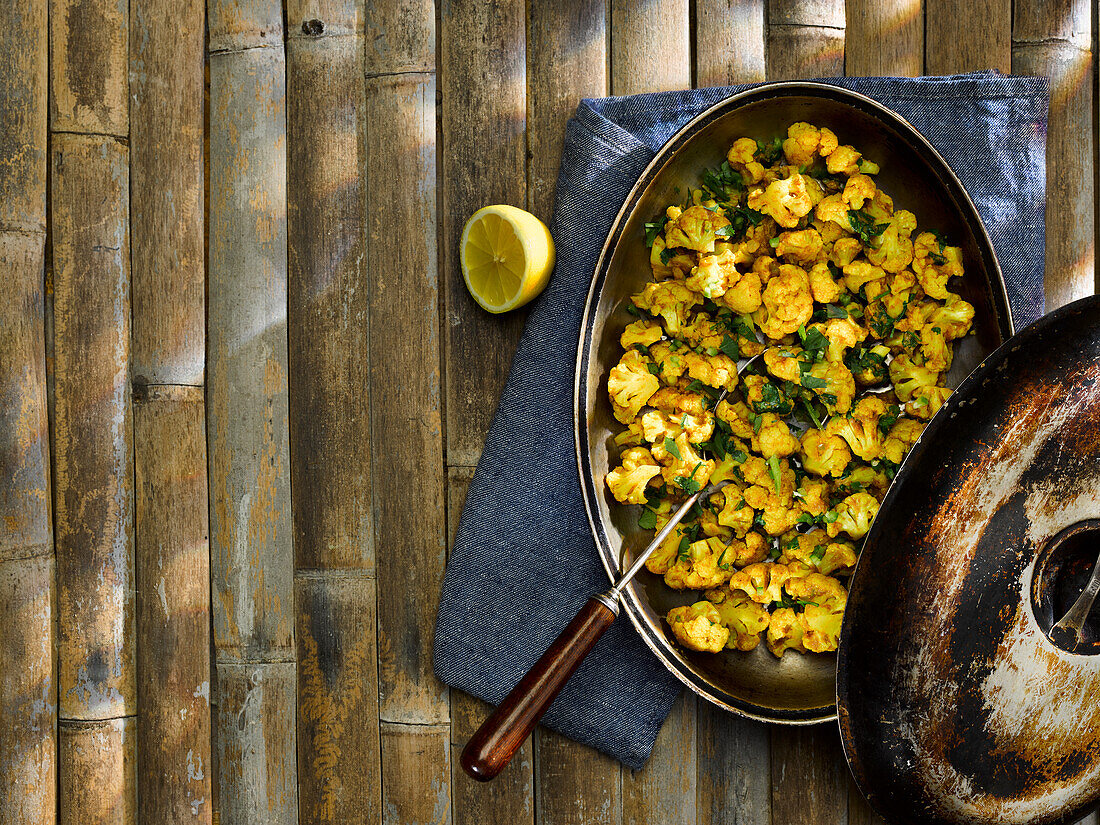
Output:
[[955, 705], [796, 689]]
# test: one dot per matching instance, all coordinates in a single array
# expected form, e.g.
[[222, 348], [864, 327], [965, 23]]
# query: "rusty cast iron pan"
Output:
[[955, 706], [796, 689]]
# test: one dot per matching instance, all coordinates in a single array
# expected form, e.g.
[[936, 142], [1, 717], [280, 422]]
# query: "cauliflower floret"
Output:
[[858, 273], [844, 160], [868, 366], [682, 464], [669, 299], [895, 249], [657, 426], [661, 559], [715, 273], [860, 429], [719, 371], [934, 265], [908, 377], [762, 582], [669, 361], [741, 157], [771, 493], [629, 480], [858, 189], [695, 228], [644, 332], [803, 246], [782, 362], [824, 453], [675, 402], [630, 386], [902, 436], [817, 588], [823, 554], [821, 627], [833, 208], [788, 303], [744, 618], [631, 436], [845, 251], [735, 512], [935, 348], [801, 145], [743, 294], [840, 386], [813, 493], [953, 318], [842, 334], [853, 516], [926, 401], [764, 396], [824, 289], [828, 142], [737, 415], [697, 568], [786, 200], [698, 627], [774, 438], [750, 549], [784, 632]]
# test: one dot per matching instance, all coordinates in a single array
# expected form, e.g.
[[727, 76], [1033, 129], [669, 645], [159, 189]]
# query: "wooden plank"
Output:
[[967, 36], [28, 694], [650, 46], [508, 799], [575, 785], [734, 784], [401, 37], [729, 42], [255, 769], [405, 393], [829, 13], [799, 52], [23, 79], [339, 776], [664, 789], [328, 305], [328, 18], [566, 61], [809, 776], [234, 25], [166, 191], [88, 67], [884, 37], [482, 80], [173, 594], [93, 436], [416, 787], [250, 518], [98, 767], [1056, 42]]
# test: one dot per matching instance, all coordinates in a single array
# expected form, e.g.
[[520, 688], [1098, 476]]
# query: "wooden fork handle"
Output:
[[494, 744]]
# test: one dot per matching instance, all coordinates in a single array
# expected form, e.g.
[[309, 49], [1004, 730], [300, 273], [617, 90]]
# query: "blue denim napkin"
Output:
[[524, 561]]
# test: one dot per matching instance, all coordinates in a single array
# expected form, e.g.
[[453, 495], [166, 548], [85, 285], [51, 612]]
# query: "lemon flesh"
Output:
[[507, 256]]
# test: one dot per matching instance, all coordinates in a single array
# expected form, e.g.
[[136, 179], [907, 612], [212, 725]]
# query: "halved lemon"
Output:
[[507, 256]]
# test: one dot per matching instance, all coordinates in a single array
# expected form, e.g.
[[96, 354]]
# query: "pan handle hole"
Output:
[[1062, 570]]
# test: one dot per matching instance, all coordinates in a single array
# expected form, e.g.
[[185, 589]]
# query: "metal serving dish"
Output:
[[797, 689]]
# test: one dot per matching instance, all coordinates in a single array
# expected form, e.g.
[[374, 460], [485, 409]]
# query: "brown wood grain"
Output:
[[734, 772], [339, 775], [254, 757], [166, 191], [173, 605], [250, 516], [964, 37], [329, 294], [98, 768], [650, 46], [88, 67], [482, 81], [401, 37], [405, 397], [800, 52], [884, 37], [93, 435], [809, 776], [28, 693], [312, 19], [1056, 42], [566, 61], [729, 42], [664, 790], [234, 25], [807, 13], [575, 785], [416, 781]]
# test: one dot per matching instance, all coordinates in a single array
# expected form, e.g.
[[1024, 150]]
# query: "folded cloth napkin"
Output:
[[524, 561]]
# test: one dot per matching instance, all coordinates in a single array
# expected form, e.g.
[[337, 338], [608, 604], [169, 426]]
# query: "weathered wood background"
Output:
[[243, 388]]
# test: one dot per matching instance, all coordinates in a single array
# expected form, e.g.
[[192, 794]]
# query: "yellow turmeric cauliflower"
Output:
[[697, 568], [695, 228], [698, 627], [744, 618], [630, 385], [628, 481], [785, 200], [788, 303]]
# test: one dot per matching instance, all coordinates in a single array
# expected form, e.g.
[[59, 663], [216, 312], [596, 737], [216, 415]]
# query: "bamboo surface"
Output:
[[247, 388]]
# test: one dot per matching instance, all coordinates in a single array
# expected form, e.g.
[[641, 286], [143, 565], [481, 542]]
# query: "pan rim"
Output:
[[999, 296]]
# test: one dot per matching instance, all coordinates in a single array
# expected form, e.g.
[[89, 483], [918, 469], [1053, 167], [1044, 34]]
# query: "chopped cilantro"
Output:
[[814, 342], [889, 418], [647, 520], [773, 471], [666, 255], [864, 225], [682, 553], [729, 348], [670, 446], [768, 154], [830, 516], [653, 229], [654, 369], [812, 383], [773, 242], [818, 553], [833, 311]]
